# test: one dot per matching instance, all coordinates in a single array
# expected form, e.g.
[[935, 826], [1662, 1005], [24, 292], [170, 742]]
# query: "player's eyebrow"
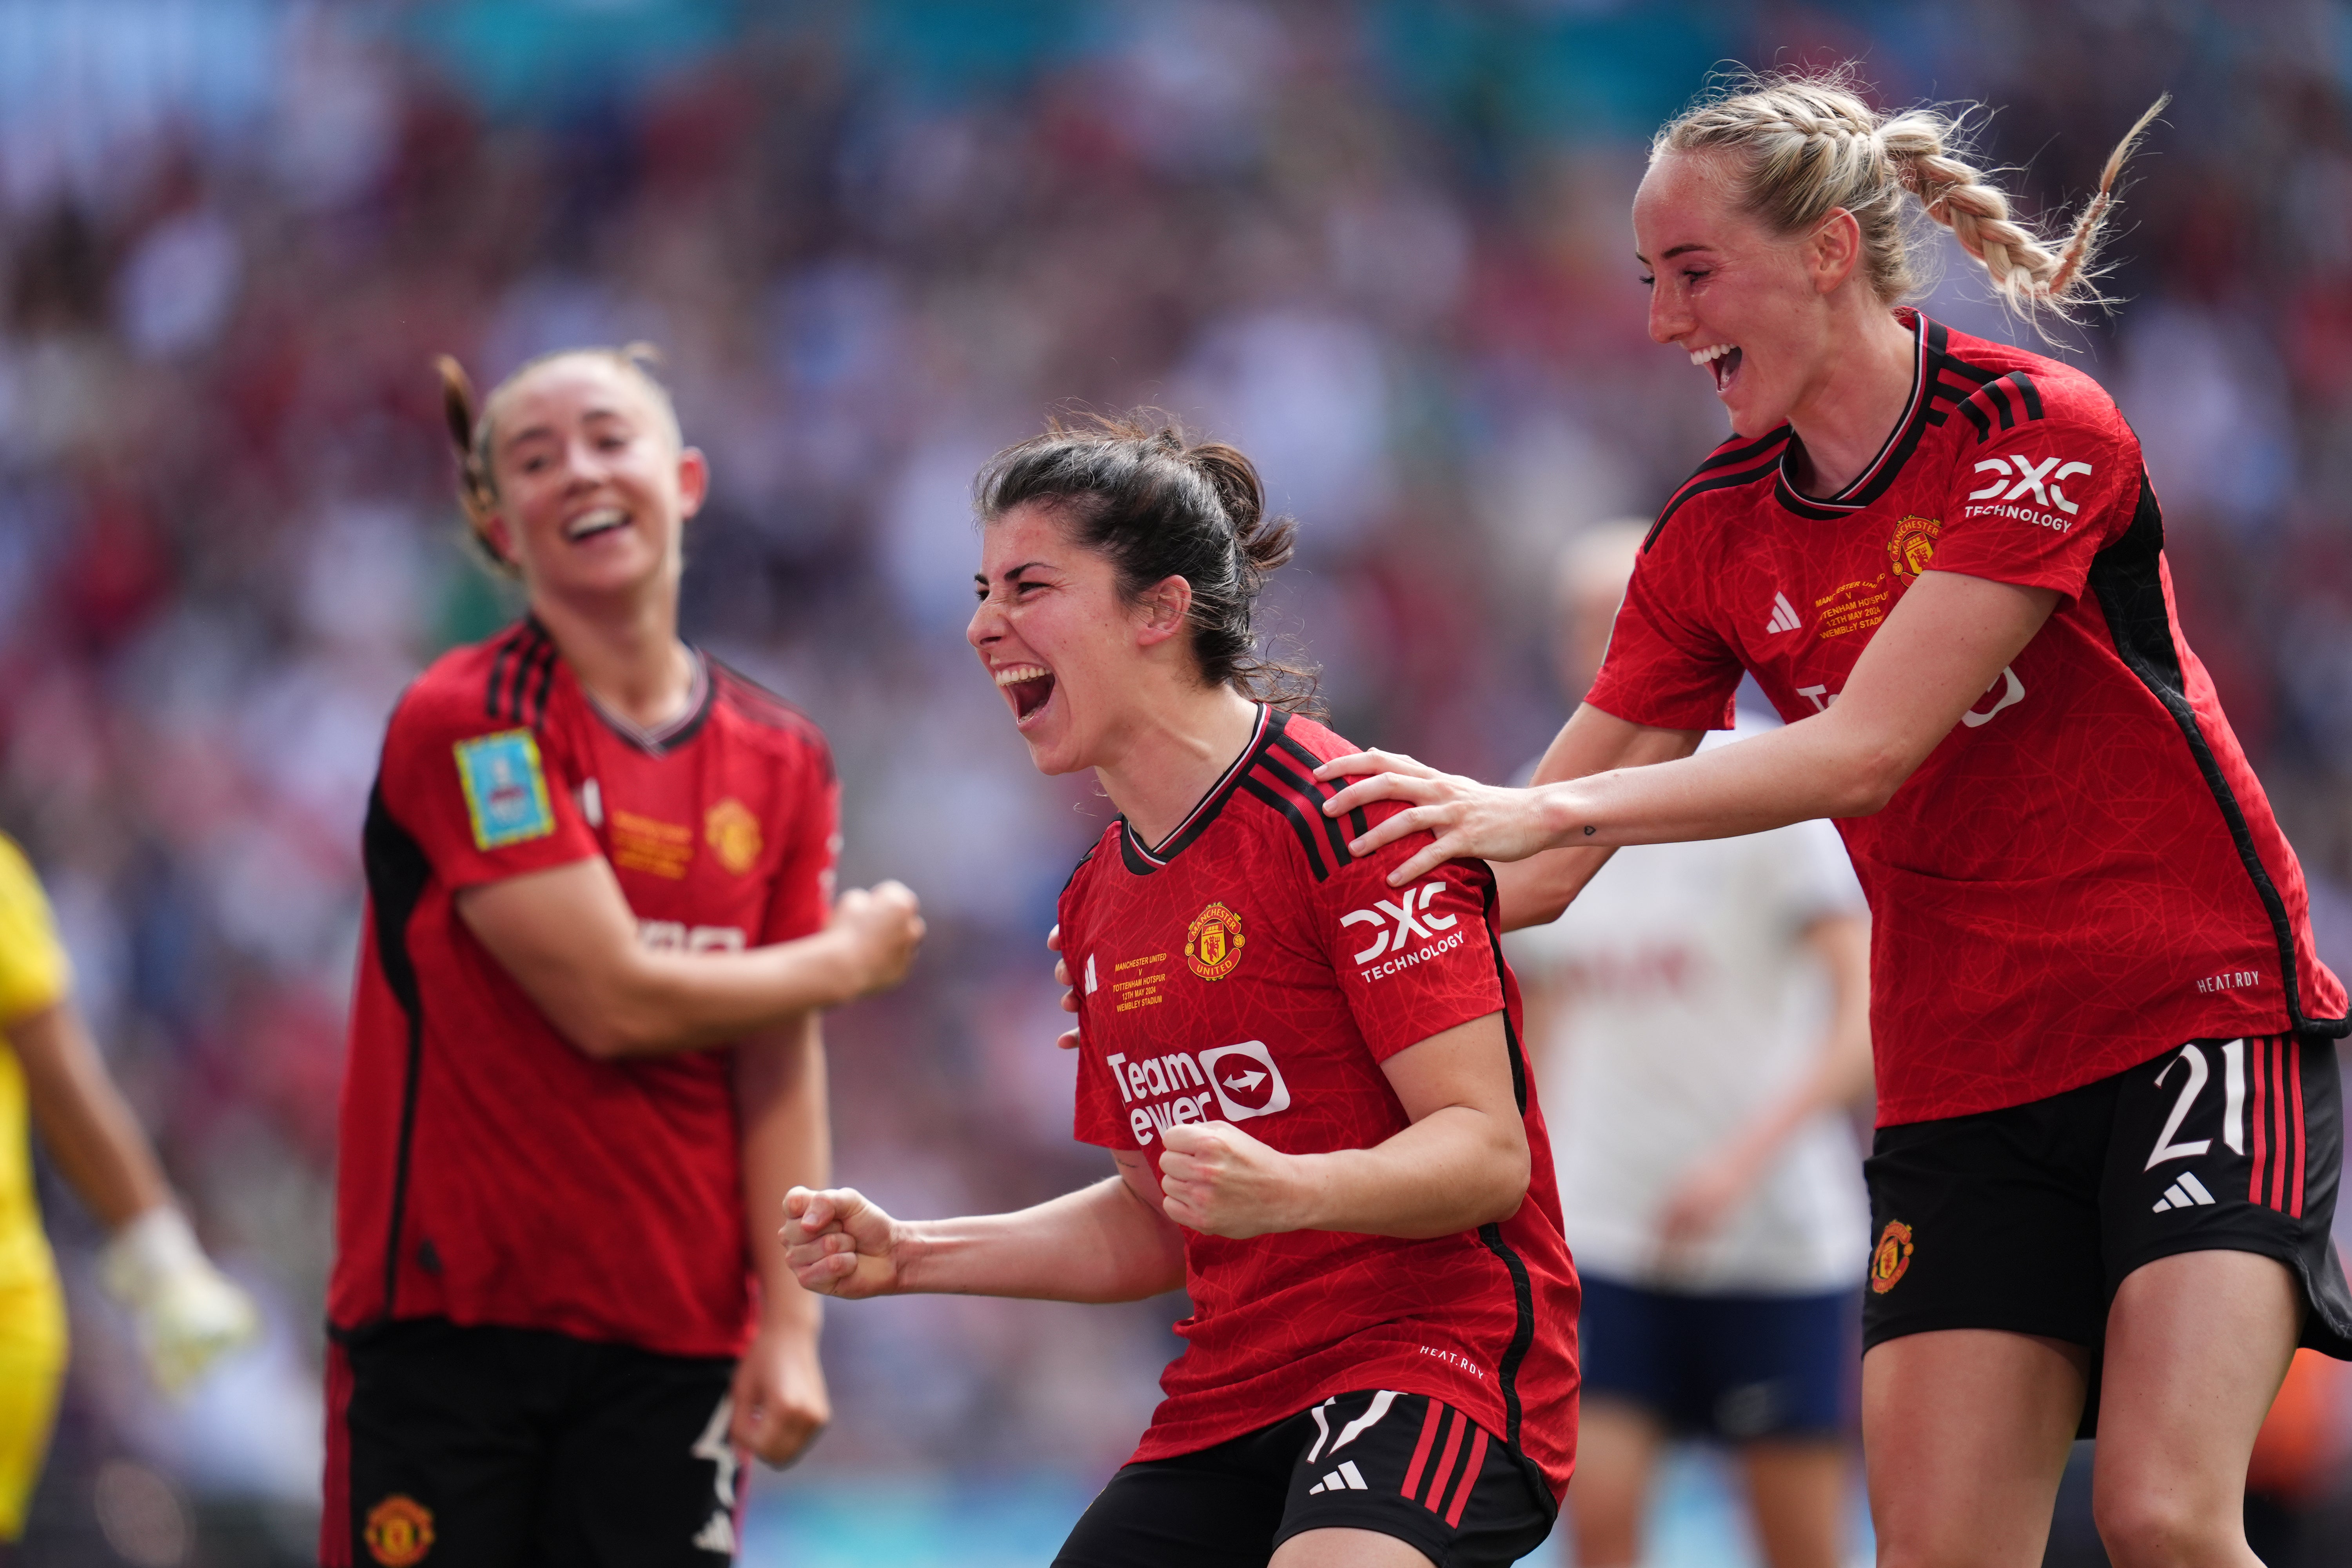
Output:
[[1672, 253], [1010, 573], [534, 432]]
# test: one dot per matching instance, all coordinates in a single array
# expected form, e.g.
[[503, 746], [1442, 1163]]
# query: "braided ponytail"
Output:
[[471, 434], [2026, 271], [1808, 145]]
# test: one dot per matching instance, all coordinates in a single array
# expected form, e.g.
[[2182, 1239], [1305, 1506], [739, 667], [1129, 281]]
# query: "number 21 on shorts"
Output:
[[2262, 1112], [2234, 1102]]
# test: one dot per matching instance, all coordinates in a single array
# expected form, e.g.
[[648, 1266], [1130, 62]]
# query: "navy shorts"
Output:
[[1738, 1368]]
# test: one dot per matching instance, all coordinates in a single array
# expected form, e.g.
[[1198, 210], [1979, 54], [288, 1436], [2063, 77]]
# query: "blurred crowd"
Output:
[[1381, 245]]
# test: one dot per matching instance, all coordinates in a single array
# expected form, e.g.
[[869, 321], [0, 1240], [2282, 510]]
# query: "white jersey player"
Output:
[[1699, 1024]]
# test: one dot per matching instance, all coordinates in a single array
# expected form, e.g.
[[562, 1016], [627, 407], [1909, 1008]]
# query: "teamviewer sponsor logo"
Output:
[[1245, 1080], [1161, 1092]]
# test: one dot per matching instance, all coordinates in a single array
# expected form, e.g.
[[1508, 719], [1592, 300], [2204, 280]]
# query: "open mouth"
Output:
[[588, 525], [1722, 362], [1028, 686]]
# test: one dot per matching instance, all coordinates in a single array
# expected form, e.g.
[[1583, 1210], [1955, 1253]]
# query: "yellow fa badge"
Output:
[[506, 788], [1213, 943]]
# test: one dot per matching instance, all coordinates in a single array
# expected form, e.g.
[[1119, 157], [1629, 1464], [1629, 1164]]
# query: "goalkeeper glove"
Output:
[[188, 1314]]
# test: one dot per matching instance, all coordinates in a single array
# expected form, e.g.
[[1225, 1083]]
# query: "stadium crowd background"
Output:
[[1381, 245]]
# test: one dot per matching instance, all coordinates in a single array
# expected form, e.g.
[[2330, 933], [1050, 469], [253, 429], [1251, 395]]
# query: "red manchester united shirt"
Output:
[[2085, 871], [490, 1172], [1248, 970]]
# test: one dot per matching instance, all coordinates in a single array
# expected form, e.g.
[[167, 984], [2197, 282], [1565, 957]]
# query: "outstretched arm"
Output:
[[568, 937], [1535, 890], [1104, 1243], [1933, 658]]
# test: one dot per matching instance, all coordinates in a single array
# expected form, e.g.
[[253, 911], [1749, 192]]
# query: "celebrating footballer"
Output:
[[584, 1045], [2109, 1120], [1310, 1082]]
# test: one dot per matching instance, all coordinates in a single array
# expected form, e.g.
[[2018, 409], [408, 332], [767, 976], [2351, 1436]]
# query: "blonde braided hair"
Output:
[[1808, 145]]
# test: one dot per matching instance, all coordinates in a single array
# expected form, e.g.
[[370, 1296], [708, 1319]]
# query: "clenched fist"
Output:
[[878, 929], [1216, 1179], [840, 1245]]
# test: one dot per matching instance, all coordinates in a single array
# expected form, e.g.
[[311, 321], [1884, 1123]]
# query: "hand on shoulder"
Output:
[[1466, 820]]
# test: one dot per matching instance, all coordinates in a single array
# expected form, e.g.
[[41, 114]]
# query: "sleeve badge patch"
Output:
[[506, 788]]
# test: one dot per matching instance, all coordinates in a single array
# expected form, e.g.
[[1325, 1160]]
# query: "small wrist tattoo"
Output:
[[1590, 831]]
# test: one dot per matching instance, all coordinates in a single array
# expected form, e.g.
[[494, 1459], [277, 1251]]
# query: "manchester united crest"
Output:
[[1890, 1257], [1213, 943], [1911, 546], [733, 834], [399, 1531]]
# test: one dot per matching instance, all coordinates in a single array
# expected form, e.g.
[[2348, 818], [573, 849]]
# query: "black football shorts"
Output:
[[452, 1446], [2028, 1219], [1401, 1465]]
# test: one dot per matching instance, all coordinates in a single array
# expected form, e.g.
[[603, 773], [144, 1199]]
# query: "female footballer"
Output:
[[584, 1043], [1310, 1082], [2108, 1104]]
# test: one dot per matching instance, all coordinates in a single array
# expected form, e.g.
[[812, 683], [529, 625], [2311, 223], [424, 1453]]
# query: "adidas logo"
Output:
[[2182, 1194], [1784, 615], [1345, 1479]]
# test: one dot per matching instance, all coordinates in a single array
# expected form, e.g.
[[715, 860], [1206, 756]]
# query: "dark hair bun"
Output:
[[1135, 487]]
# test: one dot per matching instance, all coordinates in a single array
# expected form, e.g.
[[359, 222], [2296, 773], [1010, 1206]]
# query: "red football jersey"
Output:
[[2085, 871], [490, 1172], [1249, 970]]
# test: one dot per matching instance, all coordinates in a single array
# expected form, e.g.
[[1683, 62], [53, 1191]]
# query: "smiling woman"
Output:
[[1311, 1089], [583, 1042], [1943, 561]]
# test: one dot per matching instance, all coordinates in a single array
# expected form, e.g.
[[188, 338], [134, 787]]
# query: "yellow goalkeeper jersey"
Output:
[[33, 977]]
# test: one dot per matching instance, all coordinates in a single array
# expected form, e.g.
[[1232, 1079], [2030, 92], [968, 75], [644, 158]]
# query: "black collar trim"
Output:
[[1900, 443], [669, 737], [1144, 859]]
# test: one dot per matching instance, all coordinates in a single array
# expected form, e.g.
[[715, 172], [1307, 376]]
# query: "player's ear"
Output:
[[1160, 612], [1831, 250], [498, 538], [693, 480]]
